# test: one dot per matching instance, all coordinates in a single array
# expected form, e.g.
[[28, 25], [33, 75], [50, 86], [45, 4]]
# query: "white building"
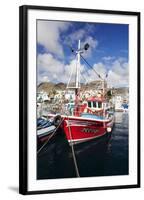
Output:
[[42, 96], [117, 101]]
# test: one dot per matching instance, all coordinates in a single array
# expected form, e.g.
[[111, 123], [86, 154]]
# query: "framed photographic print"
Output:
[[79, 99]]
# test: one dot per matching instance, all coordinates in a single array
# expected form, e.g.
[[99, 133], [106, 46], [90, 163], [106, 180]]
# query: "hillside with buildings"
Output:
[[49, 87], [56, 94]]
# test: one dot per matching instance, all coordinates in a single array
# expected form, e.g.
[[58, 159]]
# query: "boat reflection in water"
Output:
[[105, 156]]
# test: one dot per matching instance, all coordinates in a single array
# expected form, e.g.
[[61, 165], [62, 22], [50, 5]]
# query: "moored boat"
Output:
[[88, 122], [44, 129], [88, 119]]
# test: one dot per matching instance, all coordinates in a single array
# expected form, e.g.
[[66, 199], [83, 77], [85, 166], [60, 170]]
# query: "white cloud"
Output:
[[44, 79], [117, 80], [108, 58], [99, 68], [118, 75], [77, 35], [51, 69], [48, 35], [48, 67]]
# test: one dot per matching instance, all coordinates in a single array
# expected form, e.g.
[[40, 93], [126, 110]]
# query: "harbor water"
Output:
[[106, 156]]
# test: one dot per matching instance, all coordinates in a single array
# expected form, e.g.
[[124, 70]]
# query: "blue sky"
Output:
[[108, 52]]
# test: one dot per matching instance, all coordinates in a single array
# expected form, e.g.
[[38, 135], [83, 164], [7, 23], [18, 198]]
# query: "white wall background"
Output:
[[9, 94]]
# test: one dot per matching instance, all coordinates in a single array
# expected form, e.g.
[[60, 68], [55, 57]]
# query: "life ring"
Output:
[[57, 120]]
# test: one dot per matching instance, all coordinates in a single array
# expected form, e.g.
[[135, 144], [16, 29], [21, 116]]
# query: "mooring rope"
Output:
[[73, 152], [50, 137]]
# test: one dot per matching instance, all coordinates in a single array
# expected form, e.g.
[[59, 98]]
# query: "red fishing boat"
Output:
[[89, 119]]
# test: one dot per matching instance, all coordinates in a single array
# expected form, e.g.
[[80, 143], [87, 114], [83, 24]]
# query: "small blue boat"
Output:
[[44, 129]]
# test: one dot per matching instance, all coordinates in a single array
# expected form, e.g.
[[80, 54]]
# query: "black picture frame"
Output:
[[23, 97]]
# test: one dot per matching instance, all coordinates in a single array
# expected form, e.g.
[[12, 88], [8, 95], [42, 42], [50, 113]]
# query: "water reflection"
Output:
[[101, 157]]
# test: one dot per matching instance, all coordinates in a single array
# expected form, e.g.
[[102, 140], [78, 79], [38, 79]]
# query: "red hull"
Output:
[[80, 129]]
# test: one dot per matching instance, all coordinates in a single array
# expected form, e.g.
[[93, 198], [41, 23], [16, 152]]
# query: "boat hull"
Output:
[[45, 133], [82, 130]]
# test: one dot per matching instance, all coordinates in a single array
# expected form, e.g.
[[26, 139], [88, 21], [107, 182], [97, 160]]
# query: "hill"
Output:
[[48, 86]]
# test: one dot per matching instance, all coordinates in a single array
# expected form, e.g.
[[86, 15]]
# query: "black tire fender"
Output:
[[57, 120]]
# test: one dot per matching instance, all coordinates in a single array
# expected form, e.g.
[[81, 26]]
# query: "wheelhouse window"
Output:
[[99, 105], [89, 104], [94, 104]]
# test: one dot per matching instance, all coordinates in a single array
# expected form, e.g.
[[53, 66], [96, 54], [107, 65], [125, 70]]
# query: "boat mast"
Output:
[[77, 73], [103, 81], [78, 52], [78, 66], [76, 86]]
